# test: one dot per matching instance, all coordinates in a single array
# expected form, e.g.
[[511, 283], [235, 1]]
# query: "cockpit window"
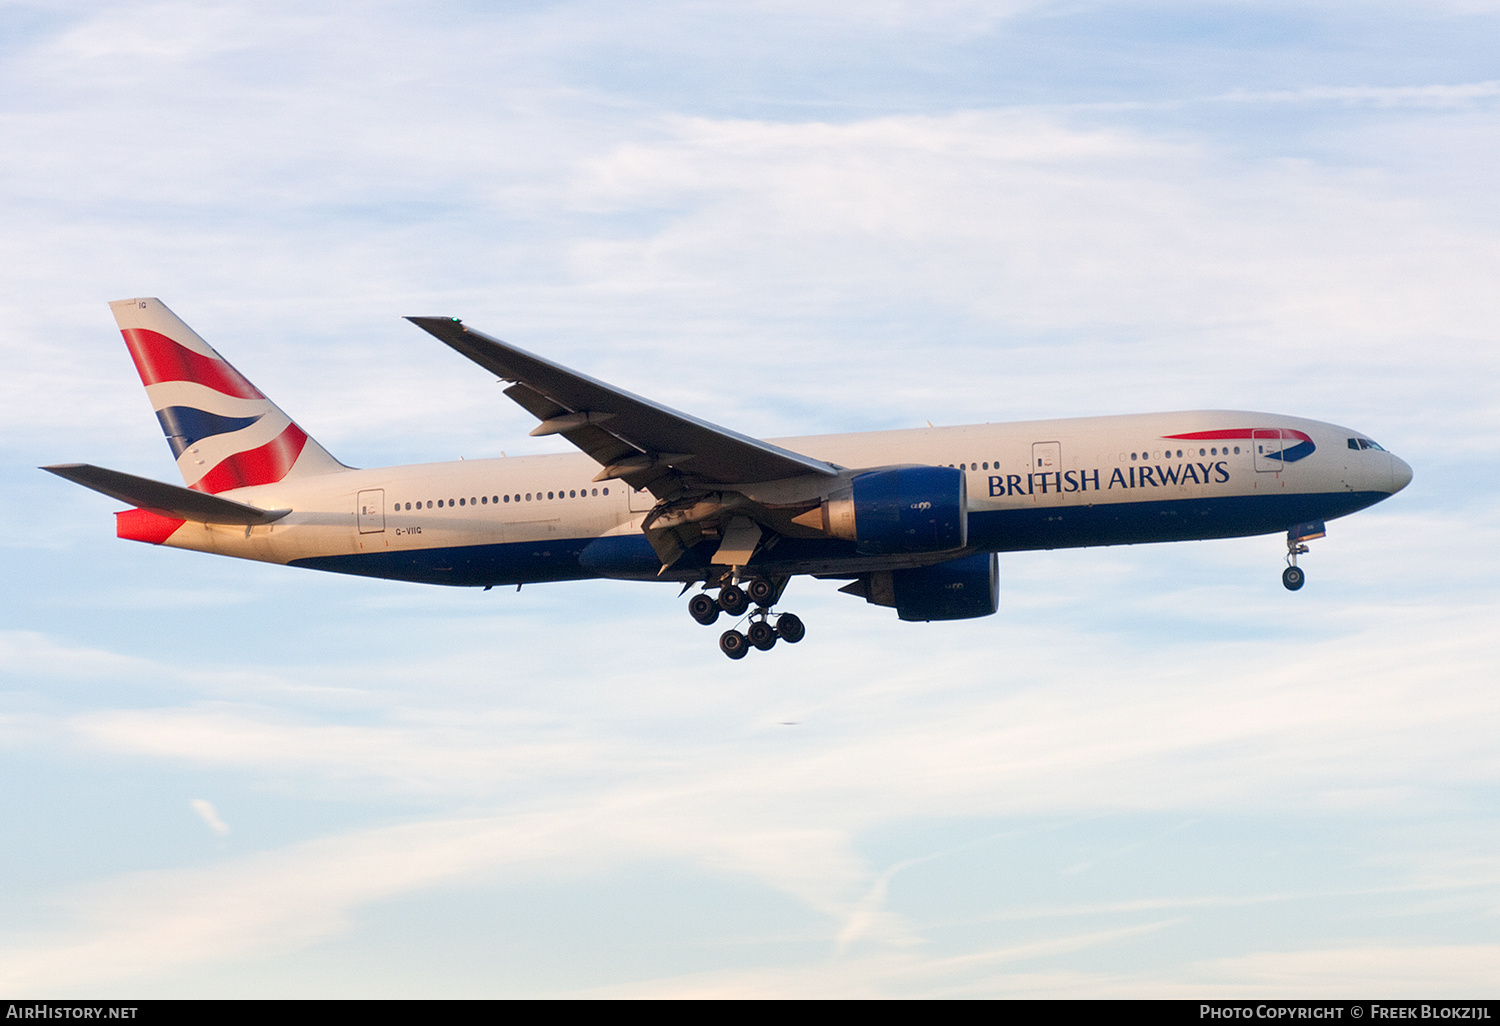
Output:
[[1364, 443]]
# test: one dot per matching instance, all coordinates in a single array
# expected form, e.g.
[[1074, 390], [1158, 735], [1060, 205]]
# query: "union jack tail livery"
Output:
[[224, 433]]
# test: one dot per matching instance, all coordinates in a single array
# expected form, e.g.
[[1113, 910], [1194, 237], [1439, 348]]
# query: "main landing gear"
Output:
[[1296, 545], [761, 633]]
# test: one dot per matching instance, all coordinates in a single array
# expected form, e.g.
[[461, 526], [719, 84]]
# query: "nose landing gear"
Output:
[[1293, 577], [1296, 545], [762, 633]]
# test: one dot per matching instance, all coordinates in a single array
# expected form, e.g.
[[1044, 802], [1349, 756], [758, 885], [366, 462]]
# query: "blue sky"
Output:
[[1154, 773]]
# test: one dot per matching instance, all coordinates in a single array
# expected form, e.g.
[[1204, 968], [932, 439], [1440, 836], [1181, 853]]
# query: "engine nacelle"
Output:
[[909, 509], [960, 589]]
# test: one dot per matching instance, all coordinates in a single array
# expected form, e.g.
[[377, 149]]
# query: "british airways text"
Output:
[[1155, 476]]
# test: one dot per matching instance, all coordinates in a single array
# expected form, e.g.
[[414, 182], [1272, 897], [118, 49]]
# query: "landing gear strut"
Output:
[[1296, 545], [762, 633]]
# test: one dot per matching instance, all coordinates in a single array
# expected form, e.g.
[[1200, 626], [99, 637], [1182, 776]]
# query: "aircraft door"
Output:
[[1267, 449], [1046, 457], [641, 501], [371, 511]]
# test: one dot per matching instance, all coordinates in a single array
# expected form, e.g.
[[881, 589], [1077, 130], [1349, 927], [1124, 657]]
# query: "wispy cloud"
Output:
[[210, 816], [1381, 96]]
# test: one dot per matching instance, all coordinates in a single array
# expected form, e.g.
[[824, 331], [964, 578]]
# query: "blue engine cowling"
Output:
[[909, 509], [959, 589]]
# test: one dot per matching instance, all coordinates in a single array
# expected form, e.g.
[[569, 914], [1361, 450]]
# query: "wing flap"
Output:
[[166, 499]]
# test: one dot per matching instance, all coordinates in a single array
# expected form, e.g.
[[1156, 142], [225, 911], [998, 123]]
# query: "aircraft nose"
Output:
[[1400, 474]]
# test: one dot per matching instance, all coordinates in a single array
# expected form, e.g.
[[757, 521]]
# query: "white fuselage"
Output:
[[1035, 484]]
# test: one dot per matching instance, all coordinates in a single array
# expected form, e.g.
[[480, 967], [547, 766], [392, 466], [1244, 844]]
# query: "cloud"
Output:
[[1396, 971], [1383, 96], [1344, 728], [210, 816]]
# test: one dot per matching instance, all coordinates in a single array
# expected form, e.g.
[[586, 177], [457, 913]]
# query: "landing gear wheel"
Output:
[[1293, 578], [761, 592], [703, 609], [790, 627], [762, 635], [734, 644], [732, 600]]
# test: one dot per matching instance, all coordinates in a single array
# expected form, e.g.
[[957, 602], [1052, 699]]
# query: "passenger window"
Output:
[[606, 491], [572, 494], [460, 502]]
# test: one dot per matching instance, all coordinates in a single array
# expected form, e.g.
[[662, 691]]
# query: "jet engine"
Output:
[[960, 589], [900, 511]]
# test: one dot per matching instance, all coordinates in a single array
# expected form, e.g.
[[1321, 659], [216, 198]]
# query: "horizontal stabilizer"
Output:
[[169, 500]]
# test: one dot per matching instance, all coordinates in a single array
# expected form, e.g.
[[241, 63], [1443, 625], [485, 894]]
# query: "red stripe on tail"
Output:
[[157, 358], [144, 526], [264, 465]]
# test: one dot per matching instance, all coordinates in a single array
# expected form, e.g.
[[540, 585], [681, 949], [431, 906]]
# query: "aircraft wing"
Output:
[[644, 443], [166, 499]]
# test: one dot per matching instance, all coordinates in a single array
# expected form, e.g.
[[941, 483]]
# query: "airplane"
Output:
[[911, 519]]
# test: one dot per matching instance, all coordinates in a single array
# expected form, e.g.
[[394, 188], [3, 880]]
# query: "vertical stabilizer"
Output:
[[223, 431]]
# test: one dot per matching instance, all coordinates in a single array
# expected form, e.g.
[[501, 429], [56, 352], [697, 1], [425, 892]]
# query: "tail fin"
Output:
[[223, 431]]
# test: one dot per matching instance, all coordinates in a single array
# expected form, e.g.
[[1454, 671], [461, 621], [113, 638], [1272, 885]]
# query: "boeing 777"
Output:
[[912, 519]]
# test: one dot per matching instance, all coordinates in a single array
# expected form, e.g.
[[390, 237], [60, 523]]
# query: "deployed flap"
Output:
[[632, 438], [170, 500], [741, 537]]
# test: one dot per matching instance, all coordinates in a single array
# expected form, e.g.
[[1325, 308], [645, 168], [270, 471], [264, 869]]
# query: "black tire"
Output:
[[1293, 578], [734, 644], [762, 635], [703, 608], [733, 601], [760, 592], [791, 628]]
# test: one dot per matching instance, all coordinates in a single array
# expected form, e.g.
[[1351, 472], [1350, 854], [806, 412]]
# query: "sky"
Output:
[[1155, 773]]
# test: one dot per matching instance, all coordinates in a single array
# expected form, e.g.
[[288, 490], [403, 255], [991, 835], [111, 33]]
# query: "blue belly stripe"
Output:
[[1007, 530]]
